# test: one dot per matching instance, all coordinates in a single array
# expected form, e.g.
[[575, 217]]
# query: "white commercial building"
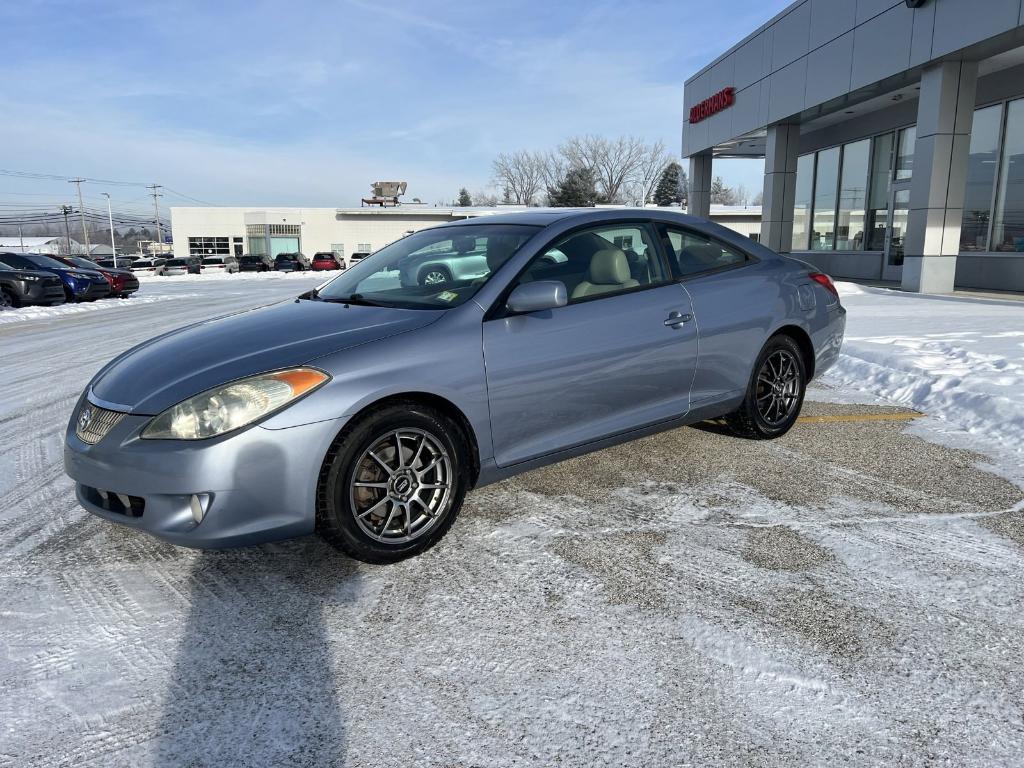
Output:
[[220, 231], [892, 133]]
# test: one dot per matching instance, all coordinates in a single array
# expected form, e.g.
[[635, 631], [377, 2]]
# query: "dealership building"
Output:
[[223, 231], [892, 134]]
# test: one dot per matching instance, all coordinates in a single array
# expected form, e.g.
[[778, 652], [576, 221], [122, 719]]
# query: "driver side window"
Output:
[[605, 260]]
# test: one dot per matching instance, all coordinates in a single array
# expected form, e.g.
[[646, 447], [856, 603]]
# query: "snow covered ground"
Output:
[[959, 360], [849, 594]]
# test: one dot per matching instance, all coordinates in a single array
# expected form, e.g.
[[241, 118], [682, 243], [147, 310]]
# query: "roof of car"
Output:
[[545, 216]]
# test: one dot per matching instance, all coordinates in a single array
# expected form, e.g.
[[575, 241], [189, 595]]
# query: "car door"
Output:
[[734, 304], [620, 355]]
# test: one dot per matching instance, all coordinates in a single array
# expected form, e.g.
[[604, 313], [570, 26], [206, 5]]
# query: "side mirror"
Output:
[[534, 297]]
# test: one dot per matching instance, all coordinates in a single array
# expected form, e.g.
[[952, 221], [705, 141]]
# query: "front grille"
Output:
[[93, 423]]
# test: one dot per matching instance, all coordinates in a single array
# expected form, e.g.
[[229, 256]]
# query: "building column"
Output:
[[945, 113], [780, 157], [698, 199]]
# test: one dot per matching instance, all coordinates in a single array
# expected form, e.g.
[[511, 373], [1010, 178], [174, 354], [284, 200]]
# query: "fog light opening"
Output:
[[199, 504]]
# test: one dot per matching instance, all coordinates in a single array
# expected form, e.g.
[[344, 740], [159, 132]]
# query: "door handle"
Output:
[[677, 320]]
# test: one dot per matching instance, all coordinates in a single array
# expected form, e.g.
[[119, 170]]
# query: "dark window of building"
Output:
[[877, 215], [826, 180], [1008, 227], [802, 201], [981, 176], [209, 246], [852, 189], [905, 153]]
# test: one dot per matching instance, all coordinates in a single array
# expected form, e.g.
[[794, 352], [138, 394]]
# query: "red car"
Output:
[[324, 260], [122, 282]]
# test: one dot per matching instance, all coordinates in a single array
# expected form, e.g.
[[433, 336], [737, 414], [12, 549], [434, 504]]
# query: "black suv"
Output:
[[255, 262], [24, 286]]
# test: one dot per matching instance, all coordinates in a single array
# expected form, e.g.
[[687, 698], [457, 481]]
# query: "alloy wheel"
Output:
[[401, 486], [778, 387], [5, 300], [435, 277]]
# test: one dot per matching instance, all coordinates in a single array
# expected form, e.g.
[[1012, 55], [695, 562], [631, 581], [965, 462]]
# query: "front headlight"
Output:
[[30, 278], [233, 406]]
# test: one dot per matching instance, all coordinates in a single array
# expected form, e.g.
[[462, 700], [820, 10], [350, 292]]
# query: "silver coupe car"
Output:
[[366, 409]]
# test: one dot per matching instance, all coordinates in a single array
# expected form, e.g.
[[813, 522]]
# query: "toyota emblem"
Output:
[[85, 418]]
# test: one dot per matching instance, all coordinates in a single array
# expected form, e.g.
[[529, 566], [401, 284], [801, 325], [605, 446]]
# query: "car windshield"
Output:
[[44, 261], [287, 256], [5, 266], [78, 261], [432, 269]]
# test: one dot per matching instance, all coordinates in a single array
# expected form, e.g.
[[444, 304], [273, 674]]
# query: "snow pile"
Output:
[[959, 360], [25, 314]]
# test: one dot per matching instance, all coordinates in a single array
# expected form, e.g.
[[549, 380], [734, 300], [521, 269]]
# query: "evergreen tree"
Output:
[[575, 190], [721, 194], [667, 192], [464, 198]]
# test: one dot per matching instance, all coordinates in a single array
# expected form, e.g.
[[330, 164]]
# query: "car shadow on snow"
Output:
[[253, 681]]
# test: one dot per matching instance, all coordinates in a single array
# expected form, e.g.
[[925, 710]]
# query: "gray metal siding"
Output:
[[845, 45]]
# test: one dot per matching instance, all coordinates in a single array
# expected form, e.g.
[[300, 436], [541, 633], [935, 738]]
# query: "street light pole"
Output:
[[110, 218], [67, 209], [156, 213], [81, 213]]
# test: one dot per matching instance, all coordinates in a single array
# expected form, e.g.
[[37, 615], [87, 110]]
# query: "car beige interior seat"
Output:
[[697, 257], [609, 271]]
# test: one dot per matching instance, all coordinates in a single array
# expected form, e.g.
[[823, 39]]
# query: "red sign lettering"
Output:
[[724, 99]]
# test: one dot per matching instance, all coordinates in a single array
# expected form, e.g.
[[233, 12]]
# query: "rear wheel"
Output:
[[775, 393], [393, 483]]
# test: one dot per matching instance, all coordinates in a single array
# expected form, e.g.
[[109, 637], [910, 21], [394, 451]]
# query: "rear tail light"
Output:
[[825, 282]]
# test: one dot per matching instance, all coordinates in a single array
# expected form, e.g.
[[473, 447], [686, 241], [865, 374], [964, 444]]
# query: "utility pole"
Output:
[[110, 218], [81, 213], [67, 210], [156, 212], [21, 237]]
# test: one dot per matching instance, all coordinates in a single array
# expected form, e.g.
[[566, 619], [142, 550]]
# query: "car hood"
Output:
[[170, 368], [19, 273]]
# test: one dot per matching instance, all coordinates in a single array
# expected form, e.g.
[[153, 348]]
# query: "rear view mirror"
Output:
[[534, 297]]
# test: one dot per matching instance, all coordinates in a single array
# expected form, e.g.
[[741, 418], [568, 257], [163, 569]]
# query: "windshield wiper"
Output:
[[356, 298]]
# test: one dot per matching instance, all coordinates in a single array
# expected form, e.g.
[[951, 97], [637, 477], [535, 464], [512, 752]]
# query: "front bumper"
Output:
[[43, 292], [261, 483], [90, 291]]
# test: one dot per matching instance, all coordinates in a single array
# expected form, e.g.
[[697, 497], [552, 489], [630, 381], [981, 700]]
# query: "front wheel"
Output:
[[8, 300], [775, 392], [393, 483], [434, 276]]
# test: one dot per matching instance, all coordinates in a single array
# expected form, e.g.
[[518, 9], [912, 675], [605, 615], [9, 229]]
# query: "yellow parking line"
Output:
[[846, 417]]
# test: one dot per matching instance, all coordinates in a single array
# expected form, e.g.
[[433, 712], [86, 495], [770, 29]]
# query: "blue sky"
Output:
[[304, 103]]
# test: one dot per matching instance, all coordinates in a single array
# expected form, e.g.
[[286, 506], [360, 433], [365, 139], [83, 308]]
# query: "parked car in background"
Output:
[[327, 260], [255, 262], [292, 262], [219, 264], [122, 282], [148, 266], [356, 257], [123, 262], [372, 407], [190, 265], [79, 284], [20, 287]]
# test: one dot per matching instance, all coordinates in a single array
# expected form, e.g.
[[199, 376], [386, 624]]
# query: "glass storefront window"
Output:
[[905, 154], [878, 192], [981, 176], [1008, 229], [802, 201], [852, 191], [826, 179]]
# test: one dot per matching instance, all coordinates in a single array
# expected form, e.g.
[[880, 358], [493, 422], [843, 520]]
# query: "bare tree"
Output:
[[640, 187], [613, 161], [520, 174], [485, 199]]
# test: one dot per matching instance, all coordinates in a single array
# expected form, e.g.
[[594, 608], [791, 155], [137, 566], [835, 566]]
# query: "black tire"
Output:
[[749, 420], [8, 299], [336, 517], [442, 272]]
